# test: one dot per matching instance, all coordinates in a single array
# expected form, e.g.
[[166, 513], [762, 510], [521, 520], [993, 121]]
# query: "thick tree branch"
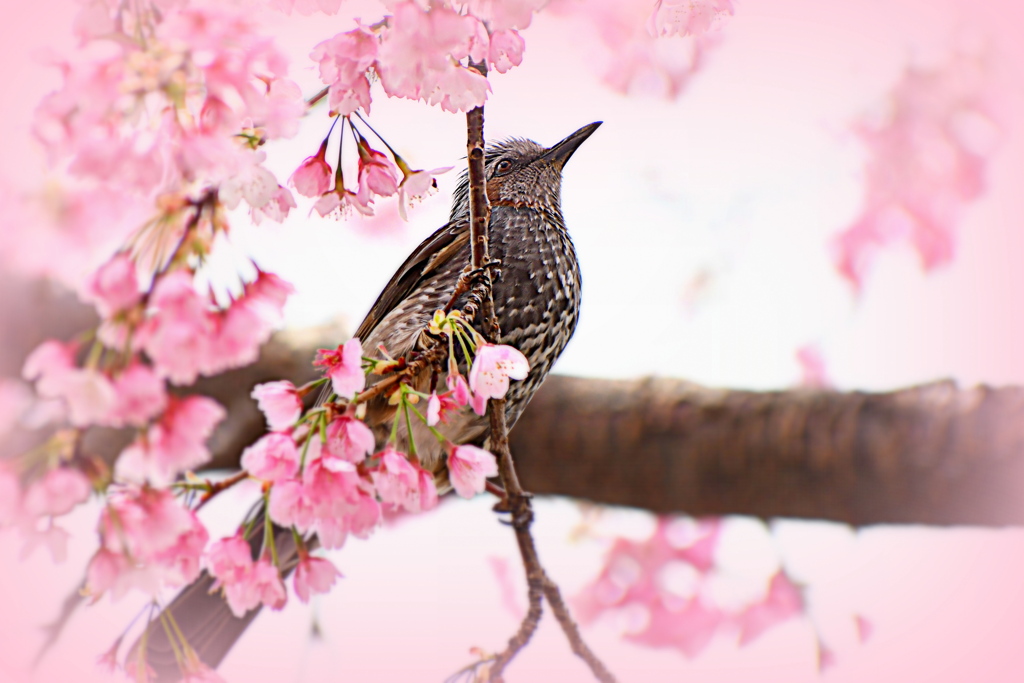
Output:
[[933, 454]]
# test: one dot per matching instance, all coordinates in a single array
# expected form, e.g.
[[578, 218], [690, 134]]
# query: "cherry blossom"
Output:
[[501, 15], [344, 367], [439, 406], [348, 439], [396, 479], [415, 184], [306, 7], [314, 575], [506, 50], [277, 207], [783, 601], [340, 198], [177, 442], [343, 62], [273, 457], [185, 336], [87, 393], [292, 504], [377, 175], [313, 176], [56, 492], [253, 182], [468, 469], [114, 287], [147, 540], [637, 61], [178, 332], [927, 159], [279, 402], [492, 367], [419, 53], [139, 396], [631, 584], [246, 583], [686, 17]]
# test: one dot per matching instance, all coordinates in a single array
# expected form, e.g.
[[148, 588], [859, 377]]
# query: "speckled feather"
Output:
[[536, 287]]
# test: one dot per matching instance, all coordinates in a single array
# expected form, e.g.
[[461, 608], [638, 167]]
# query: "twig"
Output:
[[516, 501]]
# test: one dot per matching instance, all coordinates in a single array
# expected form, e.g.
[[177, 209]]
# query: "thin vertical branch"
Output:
[[517, 501]]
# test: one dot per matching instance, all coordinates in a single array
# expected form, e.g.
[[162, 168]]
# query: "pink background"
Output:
[[768, 112]]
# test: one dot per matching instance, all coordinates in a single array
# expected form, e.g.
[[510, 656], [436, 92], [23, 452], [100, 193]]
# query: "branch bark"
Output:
[[933, 454]]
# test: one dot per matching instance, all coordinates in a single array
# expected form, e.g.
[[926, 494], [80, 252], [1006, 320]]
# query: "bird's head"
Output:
[[521, 172]]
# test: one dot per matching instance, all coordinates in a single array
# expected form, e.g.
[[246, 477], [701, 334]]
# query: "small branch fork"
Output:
[[516, 501]]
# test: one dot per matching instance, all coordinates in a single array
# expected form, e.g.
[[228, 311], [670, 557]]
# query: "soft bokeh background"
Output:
[[703, 227]]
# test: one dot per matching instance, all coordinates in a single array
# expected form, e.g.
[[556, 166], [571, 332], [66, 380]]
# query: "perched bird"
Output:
[[536, 289]]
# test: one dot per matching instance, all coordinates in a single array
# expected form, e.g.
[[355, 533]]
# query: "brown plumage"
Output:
[[537, 296]]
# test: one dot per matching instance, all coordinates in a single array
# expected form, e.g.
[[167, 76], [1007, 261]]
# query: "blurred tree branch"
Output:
[[932, 454]]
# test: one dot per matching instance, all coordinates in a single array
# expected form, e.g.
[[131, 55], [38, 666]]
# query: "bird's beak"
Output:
[[560, 153]]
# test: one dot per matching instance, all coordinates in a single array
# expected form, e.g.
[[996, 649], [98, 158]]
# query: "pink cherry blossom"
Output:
[[492, 368], [505, 14], [229, 559], [279, 402], [177, 442], [139, 396], [314, 575], [267, 584], [427, 489], [114, 287], [506, 50], [292, 505], [813, 372], [343, 62], [439, 406], [344, 367], [277, 208], [686, 17], [88, 394], [273, 457], [246, 583], [340, 199], [330, 484], [186, 336], [419, 53], [306, 7], [148, 540], [468, 469], [377, 174], [460, 89], [313, 176], [364, 515], [927, 159], [783, 601], [459, 389], [56, 492], [253, 183], [416, 184], [396, 479], [349, 439], [181, 325]]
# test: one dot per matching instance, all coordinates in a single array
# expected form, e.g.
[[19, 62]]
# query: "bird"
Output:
[[536, 287]]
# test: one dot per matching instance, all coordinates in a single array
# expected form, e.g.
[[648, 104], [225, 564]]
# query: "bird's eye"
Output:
[[503, 166]]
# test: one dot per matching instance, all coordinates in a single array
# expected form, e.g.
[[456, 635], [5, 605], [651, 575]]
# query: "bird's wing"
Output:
[[432, 253]]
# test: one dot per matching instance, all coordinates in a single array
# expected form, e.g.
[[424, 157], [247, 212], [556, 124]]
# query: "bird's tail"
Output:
[[202, 618]]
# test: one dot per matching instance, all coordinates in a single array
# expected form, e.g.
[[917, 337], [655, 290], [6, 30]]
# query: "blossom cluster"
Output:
[[664, 590], [928, 153]]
